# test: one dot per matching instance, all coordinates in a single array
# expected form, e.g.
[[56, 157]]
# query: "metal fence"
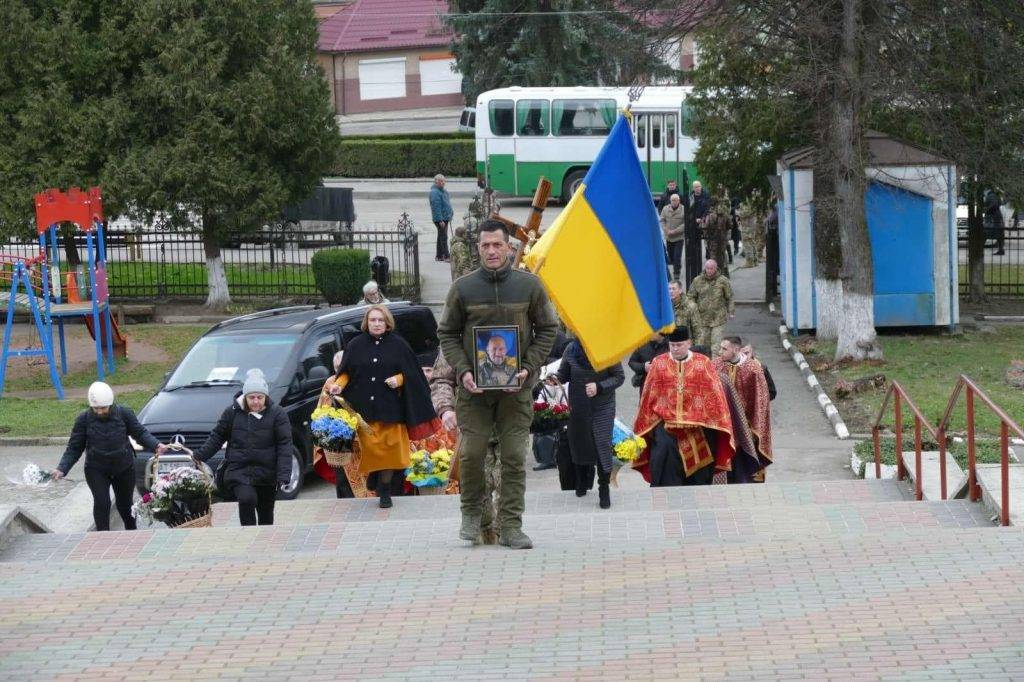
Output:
[[269, 264], [1003, 258]]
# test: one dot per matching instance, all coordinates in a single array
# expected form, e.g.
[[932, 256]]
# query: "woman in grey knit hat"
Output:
[[258, 460]]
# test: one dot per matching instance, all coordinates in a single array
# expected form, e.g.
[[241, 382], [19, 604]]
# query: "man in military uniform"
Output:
[[717, 227], [461, 261], [684, 311], [496, 294], [497, 369], [711, 292], [751, 217]]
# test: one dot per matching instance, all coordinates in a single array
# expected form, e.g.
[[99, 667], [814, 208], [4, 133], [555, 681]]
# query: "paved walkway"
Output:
[[809, 581]]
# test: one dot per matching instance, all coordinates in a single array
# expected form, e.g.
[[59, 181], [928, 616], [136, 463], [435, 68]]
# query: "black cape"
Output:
[[369, 362]]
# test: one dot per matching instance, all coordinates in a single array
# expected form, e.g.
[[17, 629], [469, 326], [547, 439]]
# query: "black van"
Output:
[[293, 346]]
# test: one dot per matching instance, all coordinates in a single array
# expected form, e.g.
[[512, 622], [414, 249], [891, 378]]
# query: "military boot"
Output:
[[470, 529], [514, 538]]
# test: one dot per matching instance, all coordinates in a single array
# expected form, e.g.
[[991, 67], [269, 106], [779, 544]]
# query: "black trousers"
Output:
[[100, 482], [693, 262], [442, 238], [675, 257], [255, 502], [667, 466]]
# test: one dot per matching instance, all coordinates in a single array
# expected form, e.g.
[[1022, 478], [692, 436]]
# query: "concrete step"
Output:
[[990, 478], [637, 529], [305, 512]]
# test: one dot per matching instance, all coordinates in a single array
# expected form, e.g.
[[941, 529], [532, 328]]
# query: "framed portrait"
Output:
[[496, 360]]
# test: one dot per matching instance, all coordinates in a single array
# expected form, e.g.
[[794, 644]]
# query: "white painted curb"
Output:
[[827, 406]]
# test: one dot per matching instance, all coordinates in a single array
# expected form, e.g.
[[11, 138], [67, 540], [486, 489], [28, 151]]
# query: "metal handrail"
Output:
[[899, 395], [1005, 424]]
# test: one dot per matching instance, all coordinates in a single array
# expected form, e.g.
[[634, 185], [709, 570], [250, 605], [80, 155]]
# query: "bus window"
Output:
[[589, 117], [670, 130], [656, 132], [686, 125], [532, 117], [641, 131], [500, 111]]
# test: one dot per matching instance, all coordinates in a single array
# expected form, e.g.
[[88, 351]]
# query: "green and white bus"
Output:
[[525, 133]]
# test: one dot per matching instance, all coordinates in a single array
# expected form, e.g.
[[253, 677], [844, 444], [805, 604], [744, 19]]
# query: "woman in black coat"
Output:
[[591, 416], [258, 460]]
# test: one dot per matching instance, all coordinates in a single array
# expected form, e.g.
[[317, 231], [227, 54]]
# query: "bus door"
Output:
[[657, 144]]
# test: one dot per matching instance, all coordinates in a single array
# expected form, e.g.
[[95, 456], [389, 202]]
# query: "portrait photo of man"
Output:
[[497, 357]]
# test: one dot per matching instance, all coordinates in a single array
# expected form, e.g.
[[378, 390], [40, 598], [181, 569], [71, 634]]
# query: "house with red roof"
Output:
[[388, 55]]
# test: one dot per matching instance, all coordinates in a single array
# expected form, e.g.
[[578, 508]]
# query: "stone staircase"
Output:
[[819, 580]]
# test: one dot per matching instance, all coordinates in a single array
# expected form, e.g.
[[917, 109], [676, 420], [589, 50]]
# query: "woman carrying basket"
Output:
[[258, 460], [382, 380], [591, 416]]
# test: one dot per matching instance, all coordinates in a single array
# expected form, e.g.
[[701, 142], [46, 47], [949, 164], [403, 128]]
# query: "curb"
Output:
[[24, 441], [827, 406]]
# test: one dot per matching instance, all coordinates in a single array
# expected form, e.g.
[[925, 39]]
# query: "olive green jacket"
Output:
[[498, 298]]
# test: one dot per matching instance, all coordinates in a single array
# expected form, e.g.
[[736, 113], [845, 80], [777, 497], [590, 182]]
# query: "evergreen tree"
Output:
[[501, 43]]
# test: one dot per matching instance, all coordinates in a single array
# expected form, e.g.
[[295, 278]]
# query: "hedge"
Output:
[[341, 273], [406, 158], [411, 136]]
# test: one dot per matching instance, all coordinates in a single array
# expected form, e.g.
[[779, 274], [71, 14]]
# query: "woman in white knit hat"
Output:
[[258, 460]]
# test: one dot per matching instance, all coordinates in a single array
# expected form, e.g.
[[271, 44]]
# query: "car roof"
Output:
[[298, 318]]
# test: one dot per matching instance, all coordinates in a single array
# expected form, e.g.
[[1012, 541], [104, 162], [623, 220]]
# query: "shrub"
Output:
[[341, 273], [411, 136], [406, 158]]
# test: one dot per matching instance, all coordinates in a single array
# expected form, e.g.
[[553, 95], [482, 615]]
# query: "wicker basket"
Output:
[[431, 490], [337, 460], [204, 520]]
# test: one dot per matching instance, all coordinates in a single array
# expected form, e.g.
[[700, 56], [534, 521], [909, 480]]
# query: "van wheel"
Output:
[[571, 184], [291, 490]]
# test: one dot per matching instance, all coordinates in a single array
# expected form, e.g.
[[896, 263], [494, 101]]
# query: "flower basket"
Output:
[[548, 417], [429, 471], [334, 430], [626, 445], [180, 498]]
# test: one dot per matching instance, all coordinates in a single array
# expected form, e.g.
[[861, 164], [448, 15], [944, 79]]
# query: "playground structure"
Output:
[[35, 284]]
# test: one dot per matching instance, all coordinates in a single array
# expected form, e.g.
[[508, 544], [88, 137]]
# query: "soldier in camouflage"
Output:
[[461, 258], [751, 217], [711, 292], [683, 309], [717, 227]]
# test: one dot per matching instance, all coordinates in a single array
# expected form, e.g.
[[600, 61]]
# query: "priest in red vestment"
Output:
[[747, 376], [684, 419]]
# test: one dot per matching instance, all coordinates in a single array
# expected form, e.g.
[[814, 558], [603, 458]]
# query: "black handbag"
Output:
[[544, 445]]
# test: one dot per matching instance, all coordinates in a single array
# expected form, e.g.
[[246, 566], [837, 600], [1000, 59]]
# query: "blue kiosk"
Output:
[[910, 204]]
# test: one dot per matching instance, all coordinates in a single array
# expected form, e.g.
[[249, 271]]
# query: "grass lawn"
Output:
[[999, 277], [927, 366], [183, 280], [52, 417], [987, 451]]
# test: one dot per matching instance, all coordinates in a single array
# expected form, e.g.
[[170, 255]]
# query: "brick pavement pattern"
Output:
[[837, 580]]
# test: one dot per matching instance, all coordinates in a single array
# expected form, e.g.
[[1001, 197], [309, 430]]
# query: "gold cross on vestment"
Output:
[[527, 234]]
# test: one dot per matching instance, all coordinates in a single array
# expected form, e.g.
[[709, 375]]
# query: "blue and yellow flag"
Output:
[[603, 260]]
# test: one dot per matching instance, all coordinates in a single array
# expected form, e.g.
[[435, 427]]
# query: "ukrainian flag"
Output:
[[603, 260]]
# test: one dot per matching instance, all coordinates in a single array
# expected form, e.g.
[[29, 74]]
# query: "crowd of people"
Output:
[[704, 407]]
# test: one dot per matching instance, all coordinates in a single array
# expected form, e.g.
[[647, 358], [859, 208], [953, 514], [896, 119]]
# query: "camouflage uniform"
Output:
[[497, 375], [461, 258], [751, 218], [717, 227], [442, 395], [713, 298], [686, 314]]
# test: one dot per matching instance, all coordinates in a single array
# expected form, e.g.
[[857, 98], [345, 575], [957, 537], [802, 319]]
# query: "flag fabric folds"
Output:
[[602, 260]]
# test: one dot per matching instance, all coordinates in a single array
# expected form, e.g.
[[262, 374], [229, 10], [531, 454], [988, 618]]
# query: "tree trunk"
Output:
[[828, 255], [857, 337], [218, 296], [975, 243]]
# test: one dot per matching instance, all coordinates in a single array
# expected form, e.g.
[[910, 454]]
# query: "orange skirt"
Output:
[[383, 446]]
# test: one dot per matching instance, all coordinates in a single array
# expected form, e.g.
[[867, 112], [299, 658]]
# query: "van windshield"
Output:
[[225, 359]]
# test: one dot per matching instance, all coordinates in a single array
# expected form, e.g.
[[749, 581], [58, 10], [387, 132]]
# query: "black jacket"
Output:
[[643, 355], [368, 363], [590, 419], [105, 441], [259, 448]]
